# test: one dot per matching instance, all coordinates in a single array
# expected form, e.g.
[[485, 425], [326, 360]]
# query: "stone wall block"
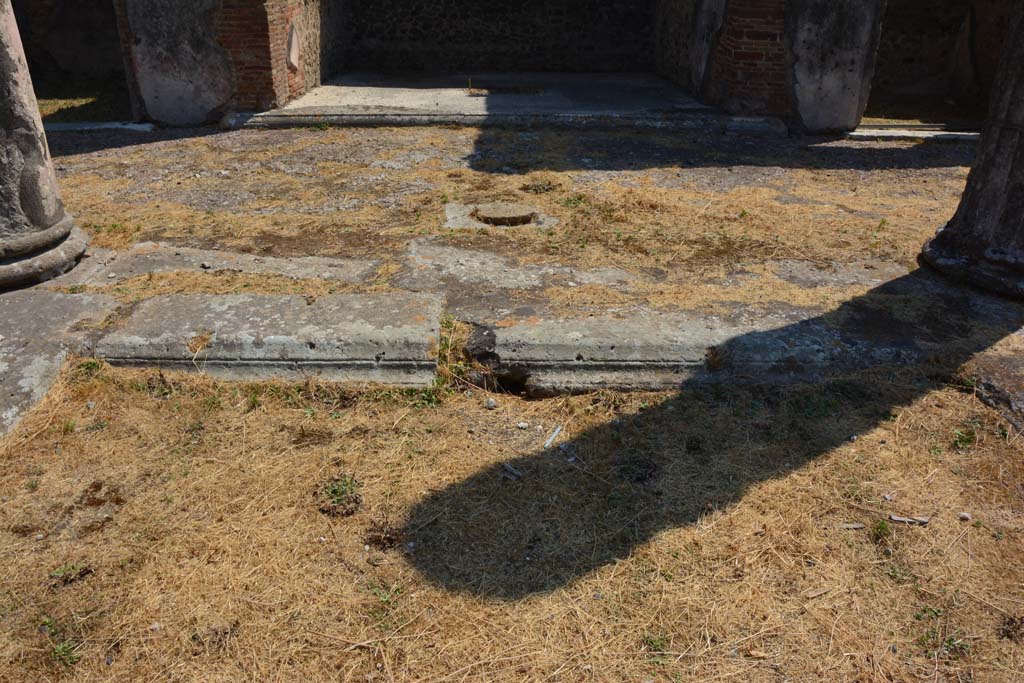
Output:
[[833, 48]]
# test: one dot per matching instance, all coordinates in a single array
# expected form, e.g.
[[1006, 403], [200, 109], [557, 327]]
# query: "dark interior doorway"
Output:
[[74, 54], [937, 61], [444, 36]]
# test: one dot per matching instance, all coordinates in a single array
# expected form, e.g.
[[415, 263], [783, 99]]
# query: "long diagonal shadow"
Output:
[[611, 489]]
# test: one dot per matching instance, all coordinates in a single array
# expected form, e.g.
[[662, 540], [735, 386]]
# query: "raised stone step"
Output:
[[380, 338], [915, 319]]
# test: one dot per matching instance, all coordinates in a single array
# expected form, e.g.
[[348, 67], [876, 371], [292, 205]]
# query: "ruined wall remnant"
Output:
[[314, 30], [184, 76], [320, 28], [192, 60], [258, 37], [833, 45], [37, 236], [809, 61]]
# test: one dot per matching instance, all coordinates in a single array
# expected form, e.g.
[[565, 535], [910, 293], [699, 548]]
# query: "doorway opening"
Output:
[[473, 62], [937, 61], [446, 36], [75, 58]]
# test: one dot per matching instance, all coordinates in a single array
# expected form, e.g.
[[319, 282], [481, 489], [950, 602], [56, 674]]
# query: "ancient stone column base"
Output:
[[43, 265], [1001, 277]]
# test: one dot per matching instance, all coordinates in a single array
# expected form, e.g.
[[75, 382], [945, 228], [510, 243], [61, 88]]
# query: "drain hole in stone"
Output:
[[504, 215]]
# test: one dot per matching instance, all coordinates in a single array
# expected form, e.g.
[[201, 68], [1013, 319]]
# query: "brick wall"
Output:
[[256, 35], [748, 71], [244, 30]]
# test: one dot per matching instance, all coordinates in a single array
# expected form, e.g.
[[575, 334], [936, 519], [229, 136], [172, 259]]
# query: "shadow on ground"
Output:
[[65, 144], [513, 152], [597, 498], [592, 146]]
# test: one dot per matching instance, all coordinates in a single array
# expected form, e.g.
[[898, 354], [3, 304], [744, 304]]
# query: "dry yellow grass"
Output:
[[151, 285], [338, 199], [168, 528]]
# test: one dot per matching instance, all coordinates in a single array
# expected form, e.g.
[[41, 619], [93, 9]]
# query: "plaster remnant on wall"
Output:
[[293, 48]]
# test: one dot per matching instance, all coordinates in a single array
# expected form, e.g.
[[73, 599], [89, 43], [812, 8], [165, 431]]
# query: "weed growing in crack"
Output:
[[339, 496]]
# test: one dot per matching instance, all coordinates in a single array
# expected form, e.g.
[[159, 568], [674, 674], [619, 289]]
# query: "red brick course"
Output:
[[244, 30], [749, 67]]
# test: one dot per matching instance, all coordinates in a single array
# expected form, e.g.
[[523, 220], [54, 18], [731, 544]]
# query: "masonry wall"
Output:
[[210, 56], [530, 35], [324, 38], [748, 71], [944, 48], [918, 40], [674, 27], [258, 35]]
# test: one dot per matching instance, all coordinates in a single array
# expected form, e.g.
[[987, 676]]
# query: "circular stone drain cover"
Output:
[[504, 214]]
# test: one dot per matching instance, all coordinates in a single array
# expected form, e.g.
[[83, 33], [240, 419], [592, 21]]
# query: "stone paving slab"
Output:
[[488, 99], [107, 267], [37, 328], [380, 338], [437, 267]]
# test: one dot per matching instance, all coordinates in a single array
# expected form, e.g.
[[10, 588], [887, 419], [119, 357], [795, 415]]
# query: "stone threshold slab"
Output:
[[89, 126], [680, 120], [913, 320], [366, 338], [911, 135], [646, 350]]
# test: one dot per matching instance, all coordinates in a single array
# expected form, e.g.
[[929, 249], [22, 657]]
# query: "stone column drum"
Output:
[[38, 239], [984, 243]]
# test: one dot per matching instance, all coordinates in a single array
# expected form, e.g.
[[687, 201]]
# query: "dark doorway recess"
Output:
[[395, 36], [74, 55], [937, 61]]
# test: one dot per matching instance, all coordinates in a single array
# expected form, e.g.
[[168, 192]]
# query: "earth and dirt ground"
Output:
[[171, 527]]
